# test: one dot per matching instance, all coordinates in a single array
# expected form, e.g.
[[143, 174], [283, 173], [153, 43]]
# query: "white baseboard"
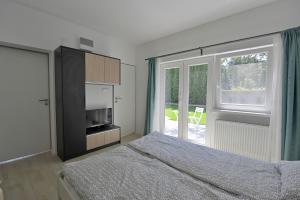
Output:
[[1, 192], [21, 158]]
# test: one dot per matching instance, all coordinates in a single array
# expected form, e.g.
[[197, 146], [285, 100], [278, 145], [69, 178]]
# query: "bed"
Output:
[[162, 167]]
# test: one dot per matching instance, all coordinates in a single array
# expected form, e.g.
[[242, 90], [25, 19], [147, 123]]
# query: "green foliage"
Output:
[[171, 112], [246, 72], [197, 85], [239, 73], [172, 85]]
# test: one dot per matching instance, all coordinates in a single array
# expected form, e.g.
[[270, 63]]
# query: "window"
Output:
[[244, 81]]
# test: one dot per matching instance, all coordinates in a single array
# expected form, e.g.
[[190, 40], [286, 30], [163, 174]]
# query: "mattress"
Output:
[[124, 173], [237, 174], [162, 167]]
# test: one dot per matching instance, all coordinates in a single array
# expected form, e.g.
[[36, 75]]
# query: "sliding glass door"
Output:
[[184, 105]]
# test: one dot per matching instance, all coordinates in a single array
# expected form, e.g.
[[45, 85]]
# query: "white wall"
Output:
[[25, 26], [277, 16]]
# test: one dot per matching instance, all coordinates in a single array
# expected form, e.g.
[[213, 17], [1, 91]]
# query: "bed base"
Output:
[[64, 190]]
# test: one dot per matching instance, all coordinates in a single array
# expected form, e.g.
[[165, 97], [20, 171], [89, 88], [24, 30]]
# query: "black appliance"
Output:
[[98, 117]]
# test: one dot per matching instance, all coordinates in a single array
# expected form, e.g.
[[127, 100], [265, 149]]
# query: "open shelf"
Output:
[[98, 129]]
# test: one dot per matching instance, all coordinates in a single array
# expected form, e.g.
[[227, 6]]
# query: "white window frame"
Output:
[[209, 60], [183, 96], [269, 79]]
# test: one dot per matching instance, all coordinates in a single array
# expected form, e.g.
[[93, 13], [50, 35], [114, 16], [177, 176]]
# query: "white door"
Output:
[[24, 110], [124, 101]]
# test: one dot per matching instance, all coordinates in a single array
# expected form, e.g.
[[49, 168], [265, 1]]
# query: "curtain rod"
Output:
[[217, 44]]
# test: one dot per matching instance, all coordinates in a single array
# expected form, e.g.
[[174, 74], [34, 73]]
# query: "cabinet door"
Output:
[[91, 69], [73, 89], [94, 141], [112, 136], [94, 67], [100, 68], [112, 70]]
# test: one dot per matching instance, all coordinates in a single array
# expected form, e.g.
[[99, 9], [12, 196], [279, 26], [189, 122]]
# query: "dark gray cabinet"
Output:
[[70, 79], [70, 102]]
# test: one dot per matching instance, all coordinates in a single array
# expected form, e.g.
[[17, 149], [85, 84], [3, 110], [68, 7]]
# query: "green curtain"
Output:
[[150, 95], [291, 95]]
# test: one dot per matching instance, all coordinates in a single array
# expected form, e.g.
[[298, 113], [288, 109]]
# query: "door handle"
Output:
[[117, 99], [46, 101]]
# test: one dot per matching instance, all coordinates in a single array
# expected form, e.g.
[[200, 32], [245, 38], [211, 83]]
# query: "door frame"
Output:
[[51, 92], [183, 95]]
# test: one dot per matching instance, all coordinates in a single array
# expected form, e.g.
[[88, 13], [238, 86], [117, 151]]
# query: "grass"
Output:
[[172, 110]]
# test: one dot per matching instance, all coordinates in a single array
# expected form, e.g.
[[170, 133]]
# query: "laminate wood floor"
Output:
[[35, 178]]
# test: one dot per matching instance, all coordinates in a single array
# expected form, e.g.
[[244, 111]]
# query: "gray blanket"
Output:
[[236, 174], [125, 174]]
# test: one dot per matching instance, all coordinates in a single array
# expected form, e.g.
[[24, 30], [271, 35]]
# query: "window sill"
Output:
[[238, 112]]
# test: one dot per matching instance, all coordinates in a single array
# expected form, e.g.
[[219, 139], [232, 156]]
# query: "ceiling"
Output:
[[140, 21]]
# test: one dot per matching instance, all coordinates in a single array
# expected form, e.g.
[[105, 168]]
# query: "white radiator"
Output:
[[244, 139]]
